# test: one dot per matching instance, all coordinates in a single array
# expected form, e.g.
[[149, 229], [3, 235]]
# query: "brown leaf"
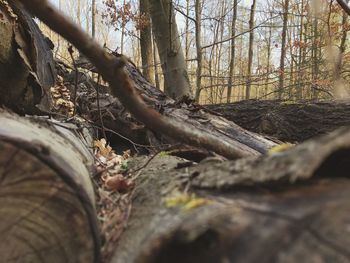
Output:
[[118, 183]]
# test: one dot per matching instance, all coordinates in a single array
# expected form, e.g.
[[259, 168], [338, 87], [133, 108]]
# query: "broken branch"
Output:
[[111, 69]]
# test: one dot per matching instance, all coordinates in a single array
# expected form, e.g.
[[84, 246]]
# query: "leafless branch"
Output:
[[112, 70], [345, 6]]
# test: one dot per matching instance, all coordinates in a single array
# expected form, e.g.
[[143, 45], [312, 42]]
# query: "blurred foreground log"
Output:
[[290, 206], [47, 201], [287, 121]]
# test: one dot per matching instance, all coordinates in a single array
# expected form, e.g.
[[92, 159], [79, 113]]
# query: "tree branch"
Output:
[[345, 6], [112, 70]]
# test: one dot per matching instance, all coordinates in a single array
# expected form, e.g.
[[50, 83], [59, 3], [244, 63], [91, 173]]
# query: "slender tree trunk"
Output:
[[315, 57], [93, 18], [299, 91], [169, 47], [187, 33], [198, 26], [155, 62], [250, 52], [233, 51], [146, 43], [342, 46], [283, 49], [123, 31], [79, 12], [268, 65]]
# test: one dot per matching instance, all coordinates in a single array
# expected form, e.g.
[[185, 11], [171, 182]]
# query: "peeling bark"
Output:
[[26, 65]]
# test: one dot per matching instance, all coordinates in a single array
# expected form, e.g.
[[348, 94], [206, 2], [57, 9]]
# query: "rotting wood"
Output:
[[26, 64]]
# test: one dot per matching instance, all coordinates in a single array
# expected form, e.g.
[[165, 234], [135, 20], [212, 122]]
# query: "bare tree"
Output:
[[146, 42], [169, 47], [198, 26], [233, 51], [250, 52], [283, 49]]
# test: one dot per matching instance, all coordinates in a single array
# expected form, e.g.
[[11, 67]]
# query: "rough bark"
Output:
[[274, 208], [117, 119], [293, 122], [47, 204], [169, 48], [146, 42], [26, 66]]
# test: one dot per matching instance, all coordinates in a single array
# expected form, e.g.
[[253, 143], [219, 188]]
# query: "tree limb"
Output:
[[111, 69], [344, 6]]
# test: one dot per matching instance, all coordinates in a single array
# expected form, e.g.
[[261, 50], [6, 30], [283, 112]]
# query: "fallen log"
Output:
[[47, 203], [287, 121], [112, 69], [280, 207], [116, 119]]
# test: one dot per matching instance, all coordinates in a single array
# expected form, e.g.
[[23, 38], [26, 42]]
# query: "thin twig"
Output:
[[97, 88], [71, 51]]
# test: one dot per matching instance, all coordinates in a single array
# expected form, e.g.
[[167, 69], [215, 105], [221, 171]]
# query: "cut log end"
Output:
[[41, 218]]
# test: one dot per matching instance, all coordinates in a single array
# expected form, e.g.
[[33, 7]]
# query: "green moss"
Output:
[[163, 154]]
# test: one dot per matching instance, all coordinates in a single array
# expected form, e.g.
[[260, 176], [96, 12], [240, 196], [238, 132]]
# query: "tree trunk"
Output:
[[250, 51], [169, 47], [198, 26], [146, 43], [93, 18], [283, 49], [299, 90], [233, 51]]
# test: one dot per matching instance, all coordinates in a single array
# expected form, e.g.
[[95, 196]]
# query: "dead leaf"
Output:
[[118, 183]]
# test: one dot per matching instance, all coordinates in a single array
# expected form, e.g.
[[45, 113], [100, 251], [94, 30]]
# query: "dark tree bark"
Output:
[[293, 122], [27, 69]]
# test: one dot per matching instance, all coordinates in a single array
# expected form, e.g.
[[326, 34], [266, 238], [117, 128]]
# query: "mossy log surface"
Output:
[[288, 206]]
